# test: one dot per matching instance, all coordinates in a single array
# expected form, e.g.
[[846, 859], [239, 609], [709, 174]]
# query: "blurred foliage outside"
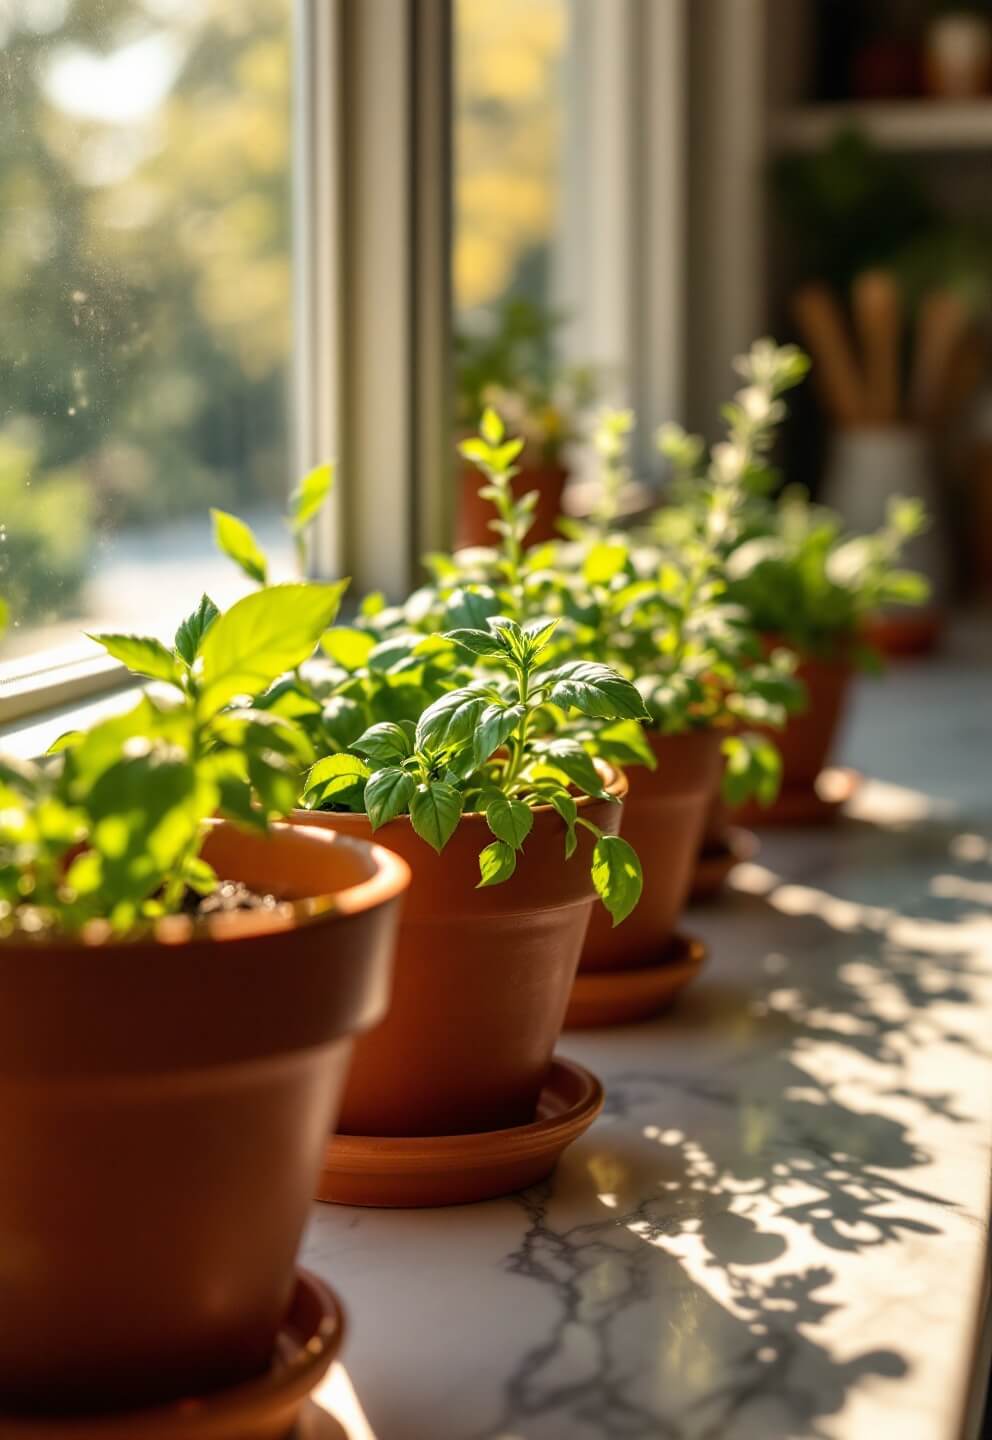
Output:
[[145, 255], [144, 274]]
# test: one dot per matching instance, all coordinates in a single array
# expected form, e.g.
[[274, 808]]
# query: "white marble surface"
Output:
[[778, 1228]]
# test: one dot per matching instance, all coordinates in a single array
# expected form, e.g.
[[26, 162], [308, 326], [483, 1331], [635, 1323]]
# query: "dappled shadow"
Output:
[[706, 1244]]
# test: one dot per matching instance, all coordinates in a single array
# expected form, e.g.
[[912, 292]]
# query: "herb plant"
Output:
[[489, 747], [110, 827], [510, 366]]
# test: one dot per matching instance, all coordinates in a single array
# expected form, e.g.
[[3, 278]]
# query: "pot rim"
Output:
[[389, 878]]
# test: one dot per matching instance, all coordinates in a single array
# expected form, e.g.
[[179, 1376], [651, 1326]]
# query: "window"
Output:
[[145, 285]]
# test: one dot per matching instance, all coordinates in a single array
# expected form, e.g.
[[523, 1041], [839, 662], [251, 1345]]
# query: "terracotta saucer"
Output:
[[410, 1171], [713, 866], [621, 997], [262, 1409], [816, 805]]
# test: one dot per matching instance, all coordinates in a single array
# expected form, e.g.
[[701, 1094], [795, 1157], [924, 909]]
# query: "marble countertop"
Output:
[[778, 1227]]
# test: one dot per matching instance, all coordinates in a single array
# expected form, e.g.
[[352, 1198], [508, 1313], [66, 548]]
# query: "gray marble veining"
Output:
[[778, 1227]]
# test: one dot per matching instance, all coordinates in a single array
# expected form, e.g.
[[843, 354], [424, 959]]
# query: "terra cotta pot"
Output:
[[663, 819], [164, 1106], [482, 977], [474, 513]]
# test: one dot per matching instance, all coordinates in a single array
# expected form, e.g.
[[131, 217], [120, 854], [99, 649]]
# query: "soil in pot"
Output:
[[474, 513], [164, 1105], [482, 978], [663, 818]]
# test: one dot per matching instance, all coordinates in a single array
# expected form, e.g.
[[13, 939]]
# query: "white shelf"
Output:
[[910, 125]]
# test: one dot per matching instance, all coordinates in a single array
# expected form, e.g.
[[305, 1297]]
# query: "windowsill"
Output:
[[56, 700]]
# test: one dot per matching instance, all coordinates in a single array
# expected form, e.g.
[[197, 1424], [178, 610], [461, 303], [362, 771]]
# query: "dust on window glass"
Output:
[[145, 293]]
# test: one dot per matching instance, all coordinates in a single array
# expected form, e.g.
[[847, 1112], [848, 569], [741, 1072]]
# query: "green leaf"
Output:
[[308, 499], [477, 642], [495, 725], [238, 543], [617, 876], [343, 720], [66, 741], [539, 633], [194, 627], [497, 863], [336, 779], [4, 615], [262, 636], [625, 743], [275, 779], [372, 604], [575, 762], [594, 689], [509, 820], [200, 876], [603, 561], [384, 744], [435, 811], [387, 795], [470, 607], [450, 721], [491, 427], [568, 809], [348, 648], [143, 655]]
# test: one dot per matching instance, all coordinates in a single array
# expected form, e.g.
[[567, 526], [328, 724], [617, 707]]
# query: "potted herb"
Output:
[[180, 983], [510, 833], [813, 587], [791, 568], [510, 367]]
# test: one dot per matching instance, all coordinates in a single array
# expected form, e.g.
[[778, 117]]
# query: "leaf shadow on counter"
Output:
[[739, 1183]]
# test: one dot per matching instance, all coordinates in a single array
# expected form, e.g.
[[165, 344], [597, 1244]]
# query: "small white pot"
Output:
[[870, 464]]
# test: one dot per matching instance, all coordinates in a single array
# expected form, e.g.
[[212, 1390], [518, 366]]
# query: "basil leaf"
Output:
[[594, 689], [435, 811], [509, 820], [143, 655], [495, 724], [336, 779], [471, 607], [603, 561], [262, 636], [625, 743], [384, 744], [194, 627], [238, 543], [387, 795], [496, 864], [569, 757], [568, 809], [348, 648], [617, 876], [476, 642], [308, 499], [343, 720], [450, 720]]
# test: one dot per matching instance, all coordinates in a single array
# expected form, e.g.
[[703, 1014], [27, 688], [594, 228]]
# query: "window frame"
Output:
[[372, 192]]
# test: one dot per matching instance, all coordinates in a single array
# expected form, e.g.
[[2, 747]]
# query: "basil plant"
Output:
[[108, 829], [408, 721]]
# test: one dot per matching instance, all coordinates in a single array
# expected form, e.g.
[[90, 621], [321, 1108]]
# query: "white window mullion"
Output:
[[373, 326]]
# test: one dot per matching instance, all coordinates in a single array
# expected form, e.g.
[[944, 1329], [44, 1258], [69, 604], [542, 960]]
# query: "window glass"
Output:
[[145, 293]]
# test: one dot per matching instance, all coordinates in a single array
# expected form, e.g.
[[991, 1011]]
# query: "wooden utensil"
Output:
[[940, 331], [878, 319], [836, 371]]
